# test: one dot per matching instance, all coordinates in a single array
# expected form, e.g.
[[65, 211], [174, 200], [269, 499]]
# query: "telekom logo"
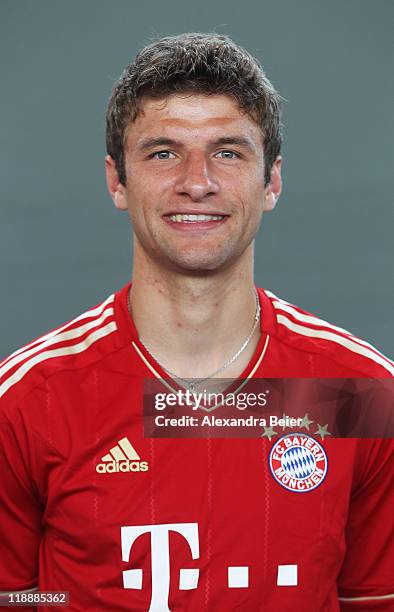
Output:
[[160, 555], [237, 576]]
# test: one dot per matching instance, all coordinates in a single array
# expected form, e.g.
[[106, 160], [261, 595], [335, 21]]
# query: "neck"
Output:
[[194, 324]]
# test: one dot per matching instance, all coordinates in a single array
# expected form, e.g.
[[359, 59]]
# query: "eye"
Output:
[[227, 154], [161, 154]]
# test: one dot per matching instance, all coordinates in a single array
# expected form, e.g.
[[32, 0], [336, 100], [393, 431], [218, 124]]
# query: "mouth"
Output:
[[195, 221], [194, 218]]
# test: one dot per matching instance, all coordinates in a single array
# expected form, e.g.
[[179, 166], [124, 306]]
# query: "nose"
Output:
[[195, 179]]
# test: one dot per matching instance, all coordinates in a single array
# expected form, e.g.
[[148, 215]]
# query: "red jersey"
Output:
[[126, 523]]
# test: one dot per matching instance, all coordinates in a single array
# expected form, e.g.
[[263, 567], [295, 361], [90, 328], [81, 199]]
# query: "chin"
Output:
[[200, 265]]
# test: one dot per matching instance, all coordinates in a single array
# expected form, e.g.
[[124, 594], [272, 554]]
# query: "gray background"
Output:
[[328, 246]]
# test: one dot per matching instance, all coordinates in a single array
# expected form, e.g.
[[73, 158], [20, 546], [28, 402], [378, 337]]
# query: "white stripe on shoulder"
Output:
[[55, 339], [275, 297], [372, 598], [72, 349], [94, 312], [280, 304], [312, 320], [333, 337], [286, 306]]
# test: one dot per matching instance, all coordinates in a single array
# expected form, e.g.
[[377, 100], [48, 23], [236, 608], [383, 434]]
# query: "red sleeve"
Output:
[[366, 581], [20, 512]]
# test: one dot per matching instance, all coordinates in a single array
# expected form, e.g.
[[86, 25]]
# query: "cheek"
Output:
[[147, 190], [258, 194], [252, 197], [143, 210], [250, 182]]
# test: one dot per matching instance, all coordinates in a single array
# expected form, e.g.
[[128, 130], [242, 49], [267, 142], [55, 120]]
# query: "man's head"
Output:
[[193, 136], [198, 63]]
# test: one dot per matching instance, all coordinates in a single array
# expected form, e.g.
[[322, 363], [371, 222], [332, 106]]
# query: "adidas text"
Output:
[[122, 466]]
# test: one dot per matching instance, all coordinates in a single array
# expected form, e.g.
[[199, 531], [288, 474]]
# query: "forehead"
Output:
[[189, 116]]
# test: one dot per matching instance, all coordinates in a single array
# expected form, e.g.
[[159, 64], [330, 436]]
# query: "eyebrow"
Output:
[[150, 143]]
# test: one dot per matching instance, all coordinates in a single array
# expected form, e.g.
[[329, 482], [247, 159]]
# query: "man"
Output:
[[126, 522]]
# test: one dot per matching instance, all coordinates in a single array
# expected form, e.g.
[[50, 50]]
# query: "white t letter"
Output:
[[160, 553]]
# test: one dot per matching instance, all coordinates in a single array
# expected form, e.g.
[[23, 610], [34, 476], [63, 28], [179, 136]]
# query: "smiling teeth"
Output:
[[195, 218]]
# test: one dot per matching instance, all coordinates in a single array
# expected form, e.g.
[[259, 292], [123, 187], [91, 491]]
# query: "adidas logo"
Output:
[[122, 458]]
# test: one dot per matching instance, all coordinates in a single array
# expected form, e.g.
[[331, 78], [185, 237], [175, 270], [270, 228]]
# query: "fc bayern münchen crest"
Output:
[[298, 462]]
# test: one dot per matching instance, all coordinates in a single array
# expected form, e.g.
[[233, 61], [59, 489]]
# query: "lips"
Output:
[[200, 218], [195, 221]]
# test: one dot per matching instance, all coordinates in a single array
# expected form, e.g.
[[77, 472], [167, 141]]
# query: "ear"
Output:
[[116, 190], [274, 188]]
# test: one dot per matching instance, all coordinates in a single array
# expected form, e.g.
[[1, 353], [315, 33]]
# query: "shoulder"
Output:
[[307, 333], [76, 344]]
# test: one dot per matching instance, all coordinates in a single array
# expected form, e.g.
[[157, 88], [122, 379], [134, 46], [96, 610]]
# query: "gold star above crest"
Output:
[[322, 431], [269, 433], [306, 422]]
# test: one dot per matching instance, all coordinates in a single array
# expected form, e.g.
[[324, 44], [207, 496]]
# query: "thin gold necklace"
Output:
[[197, 382]]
